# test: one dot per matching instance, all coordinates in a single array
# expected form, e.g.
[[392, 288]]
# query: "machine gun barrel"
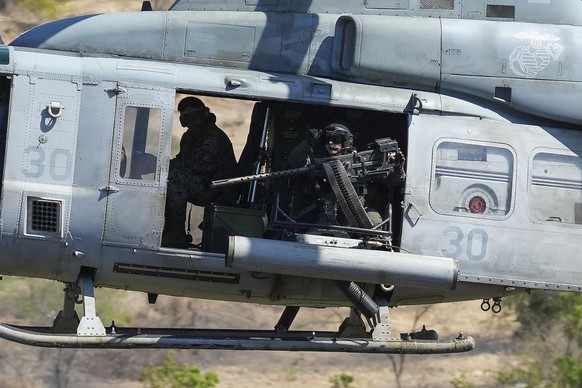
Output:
[[258, 177], [360, 166]]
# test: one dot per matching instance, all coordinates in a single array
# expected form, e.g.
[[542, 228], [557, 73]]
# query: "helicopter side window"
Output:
[[141, 133], [472, 179], [556, 188]]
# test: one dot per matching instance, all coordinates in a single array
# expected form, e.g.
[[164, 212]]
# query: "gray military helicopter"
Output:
[[480, 98]]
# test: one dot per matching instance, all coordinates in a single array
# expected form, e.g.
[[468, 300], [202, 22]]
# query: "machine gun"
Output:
[[377, 162]]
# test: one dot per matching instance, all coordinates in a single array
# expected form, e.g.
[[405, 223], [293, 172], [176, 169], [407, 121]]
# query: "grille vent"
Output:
[[501, 11], [437, 4], [44, 217]]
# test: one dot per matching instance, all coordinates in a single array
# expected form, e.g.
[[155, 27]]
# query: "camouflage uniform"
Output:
[[314, 147], [203, 157]]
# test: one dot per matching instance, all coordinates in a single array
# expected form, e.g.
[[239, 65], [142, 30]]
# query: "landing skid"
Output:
[[68, 331], [137, 338]]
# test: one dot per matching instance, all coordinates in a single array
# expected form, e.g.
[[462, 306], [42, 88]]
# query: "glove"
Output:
[[311, 135], [400, 161]]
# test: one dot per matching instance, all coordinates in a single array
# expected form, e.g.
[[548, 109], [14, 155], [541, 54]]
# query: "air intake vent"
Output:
[[501, 11], [437, 4], [44, 217]]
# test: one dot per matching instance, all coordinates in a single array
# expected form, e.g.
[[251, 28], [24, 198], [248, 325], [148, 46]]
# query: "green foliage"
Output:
[[537, 311], [343, 380], [551, 325], [110, 307], [37, 301], [32, 300], [531, 376], [175, 375], [569, 371], [572, 316], [44, 8], [460, 380], [291, 371]]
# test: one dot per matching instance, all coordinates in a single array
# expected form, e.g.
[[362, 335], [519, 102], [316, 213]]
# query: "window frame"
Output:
[[477, 185], [152, 143], [531, 204]]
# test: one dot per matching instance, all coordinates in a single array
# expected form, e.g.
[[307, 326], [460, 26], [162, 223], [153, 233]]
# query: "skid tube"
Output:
[[140, 338]]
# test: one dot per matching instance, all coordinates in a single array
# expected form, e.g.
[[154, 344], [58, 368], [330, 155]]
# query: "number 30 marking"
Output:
[[476, 244], [60, 172]]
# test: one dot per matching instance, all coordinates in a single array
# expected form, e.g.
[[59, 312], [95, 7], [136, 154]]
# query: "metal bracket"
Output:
[[117, 90], [90, 324], [384, 329], [67, 320], [414, 105], [353, 326], [55, 109], [109, 189]]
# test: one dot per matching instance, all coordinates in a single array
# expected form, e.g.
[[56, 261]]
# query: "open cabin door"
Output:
[[136, 193]]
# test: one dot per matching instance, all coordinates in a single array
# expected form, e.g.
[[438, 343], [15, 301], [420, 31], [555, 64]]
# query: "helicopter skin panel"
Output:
[[522, 61], [491, 202], [517, 63], [540, 11]]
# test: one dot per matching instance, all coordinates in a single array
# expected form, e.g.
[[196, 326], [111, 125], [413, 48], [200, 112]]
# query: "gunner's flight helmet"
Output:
[[339, 133]]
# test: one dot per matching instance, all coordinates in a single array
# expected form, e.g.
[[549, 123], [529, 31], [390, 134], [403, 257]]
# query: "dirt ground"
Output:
[[493, 332]]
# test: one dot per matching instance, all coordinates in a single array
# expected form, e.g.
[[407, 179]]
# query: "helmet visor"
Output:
[[336, 134]]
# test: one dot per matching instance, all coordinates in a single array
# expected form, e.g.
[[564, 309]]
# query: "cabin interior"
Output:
[[278, 207]]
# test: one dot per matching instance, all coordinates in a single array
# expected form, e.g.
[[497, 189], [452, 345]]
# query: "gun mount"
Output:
[[348, 176]]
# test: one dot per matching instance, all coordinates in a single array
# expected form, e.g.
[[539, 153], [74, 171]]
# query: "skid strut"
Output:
[[90, 324], [67, 320]]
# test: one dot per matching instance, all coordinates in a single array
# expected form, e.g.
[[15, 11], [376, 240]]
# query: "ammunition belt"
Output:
[[346, 195]]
